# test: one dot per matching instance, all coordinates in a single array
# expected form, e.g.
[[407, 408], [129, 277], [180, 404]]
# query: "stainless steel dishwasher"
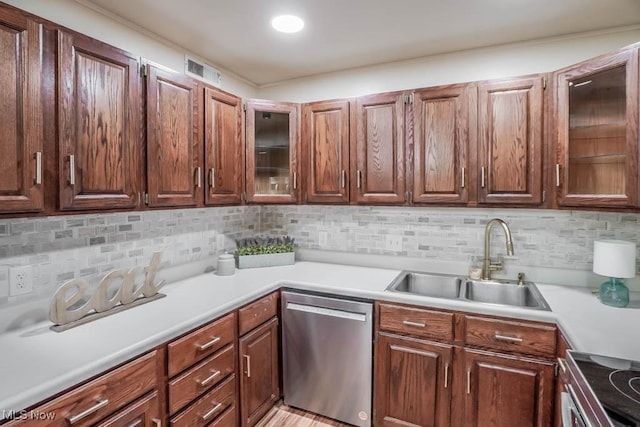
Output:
[[327, 356]]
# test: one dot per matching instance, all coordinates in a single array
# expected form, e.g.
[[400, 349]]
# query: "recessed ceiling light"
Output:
[[287, 23]]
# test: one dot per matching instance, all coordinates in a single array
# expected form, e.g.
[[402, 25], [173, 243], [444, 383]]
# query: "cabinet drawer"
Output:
[[511, 335], [200, 378], [257, 312], [416, 321], [208, 408], [142, 413], [201, 343], [95, 400]]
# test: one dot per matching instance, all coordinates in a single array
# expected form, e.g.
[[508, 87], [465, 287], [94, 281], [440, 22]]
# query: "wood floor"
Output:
[[282, 415]]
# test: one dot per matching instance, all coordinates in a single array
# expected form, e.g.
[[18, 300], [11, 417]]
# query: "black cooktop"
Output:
[[616, 384]]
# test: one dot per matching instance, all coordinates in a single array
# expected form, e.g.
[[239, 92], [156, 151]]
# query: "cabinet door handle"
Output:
[[38, 168], [208, 344], [482, 177], [468, 381], [557, 174], [213, 410], [343, 178], [72, 170], [359, 178], [198, 177], [75, 418], [207, 380], [156, 422], [505, 338], [416, 324], [462, 179], [562, 363], [295, 180], [248, 359], [446, 375], [212, 178]]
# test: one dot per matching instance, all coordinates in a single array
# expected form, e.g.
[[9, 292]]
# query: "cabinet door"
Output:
[[143, 413], [412, 383], [224, 147], [325, 138], [378, 173], [272, 152], [259, 385], [510, 141], [501, 390], [441, 143], [21, 124], [173, 170], [597, 113], [99, 122]]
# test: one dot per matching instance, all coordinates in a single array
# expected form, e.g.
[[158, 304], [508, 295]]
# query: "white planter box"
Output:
[[266, 260]]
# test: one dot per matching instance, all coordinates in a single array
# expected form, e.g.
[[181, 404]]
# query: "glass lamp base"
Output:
[[614, 293]]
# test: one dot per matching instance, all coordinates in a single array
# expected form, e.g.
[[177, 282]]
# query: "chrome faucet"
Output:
[[487, 265]]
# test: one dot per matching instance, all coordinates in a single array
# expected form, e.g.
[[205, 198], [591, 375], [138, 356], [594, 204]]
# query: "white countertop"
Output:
[[37, 363]]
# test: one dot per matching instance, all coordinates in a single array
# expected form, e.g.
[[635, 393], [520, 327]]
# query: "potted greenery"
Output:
[[265, 251]]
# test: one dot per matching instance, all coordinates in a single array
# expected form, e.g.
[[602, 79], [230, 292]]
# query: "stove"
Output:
[[608, 387]]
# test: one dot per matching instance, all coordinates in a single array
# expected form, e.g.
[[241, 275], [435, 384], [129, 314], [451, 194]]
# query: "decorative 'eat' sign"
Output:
[[66, 313]]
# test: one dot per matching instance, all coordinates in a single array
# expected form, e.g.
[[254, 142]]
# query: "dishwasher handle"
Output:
[[324, 311]]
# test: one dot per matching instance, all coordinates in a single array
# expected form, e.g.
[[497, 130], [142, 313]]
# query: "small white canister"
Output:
[[226, 265]]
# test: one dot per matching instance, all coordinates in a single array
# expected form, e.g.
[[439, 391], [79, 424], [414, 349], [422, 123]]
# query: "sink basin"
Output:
[[429, 285], [500, 292], [505, 293]]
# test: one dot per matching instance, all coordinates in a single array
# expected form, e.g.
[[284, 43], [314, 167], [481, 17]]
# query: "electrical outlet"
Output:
[[220, 241], [20, 280], [393, 243], [322, 238]]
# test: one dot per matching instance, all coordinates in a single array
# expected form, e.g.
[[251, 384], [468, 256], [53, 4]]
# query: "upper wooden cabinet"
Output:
[[272, 152], [224, 147], [21, 126], [99, 124], [378, 155], [597, 132], [510, 126], [325, 143], [441, 126], [174, 174]]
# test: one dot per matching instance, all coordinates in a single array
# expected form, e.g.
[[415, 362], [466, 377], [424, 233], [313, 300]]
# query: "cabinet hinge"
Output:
[[145, 197], [544, 83], [143, 70]]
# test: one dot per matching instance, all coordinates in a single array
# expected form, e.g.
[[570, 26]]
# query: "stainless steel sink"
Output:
[[505, 293], [500, 292], [429, 285]]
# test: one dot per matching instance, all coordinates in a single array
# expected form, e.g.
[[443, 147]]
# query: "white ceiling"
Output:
[[343, 34]]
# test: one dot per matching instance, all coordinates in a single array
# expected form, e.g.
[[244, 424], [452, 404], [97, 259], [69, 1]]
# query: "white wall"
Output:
[[478, 64], [83, 19]]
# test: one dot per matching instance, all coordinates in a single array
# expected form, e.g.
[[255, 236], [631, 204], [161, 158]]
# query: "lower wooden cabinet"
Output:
[[260, 379], [412, 379], [504, 391], [143, 413]]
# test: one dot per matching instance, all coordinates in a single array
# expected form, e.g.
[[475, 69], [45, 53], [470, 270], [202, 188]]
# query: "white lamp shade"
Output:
[[614, 258]]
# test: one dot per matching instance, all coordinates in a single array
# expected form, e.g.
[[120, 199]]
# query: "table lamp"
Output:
[[617, 260]]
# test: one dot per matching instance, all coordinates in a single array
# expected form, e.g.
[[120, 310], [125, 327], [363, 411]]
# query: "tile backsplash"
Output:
[[88, 246]]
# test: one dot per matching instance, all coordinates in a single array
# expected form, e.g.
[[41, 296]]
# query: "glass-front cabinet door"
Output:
[[272, 152], [598, 132]]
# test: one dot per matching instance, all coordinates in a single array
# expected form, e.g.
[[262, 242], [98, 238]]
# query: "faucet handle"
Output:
[[521, 278]]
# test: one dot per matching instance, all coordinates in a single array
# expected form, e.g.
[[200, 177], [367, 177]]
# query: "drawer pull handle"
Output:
[[207, 380], [75, 418], [248, 359], [505, 338], [136, 423], [156, 422], [416, 324], [468, 381], [446, 375], [213, 410], [209, 344]]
